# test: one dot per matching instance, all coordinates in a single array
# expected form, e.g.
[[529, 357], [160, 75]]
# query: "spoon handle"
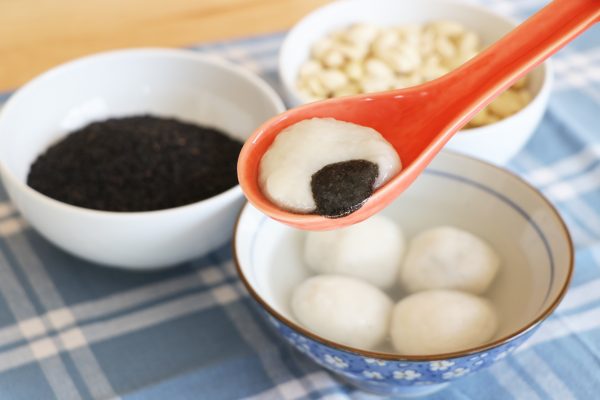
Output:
[[474, 85]]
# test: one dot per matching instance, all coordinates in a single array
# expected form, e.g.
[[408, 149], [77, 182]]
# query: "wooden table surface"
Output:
[[36, 34]]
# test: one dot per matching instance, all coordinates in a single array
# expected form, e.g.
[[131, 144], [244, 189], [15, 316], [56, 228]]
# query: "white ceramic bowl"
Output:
[[177, 83], [528, 233], [496, 142]]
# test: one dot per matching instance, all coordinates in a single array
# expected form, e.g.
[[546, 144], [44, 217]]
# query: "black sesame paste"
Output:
[[138, 163], [341, 188]]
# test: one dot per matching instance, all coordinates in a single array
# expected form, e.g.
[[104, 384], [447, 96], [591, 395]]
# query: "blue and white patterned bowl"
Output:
[[522, 225]]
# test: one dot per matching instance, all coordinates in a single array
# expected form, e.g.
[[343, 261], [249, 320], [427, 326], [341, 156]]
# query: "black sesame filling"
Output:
[[138, 163], [341, 188]]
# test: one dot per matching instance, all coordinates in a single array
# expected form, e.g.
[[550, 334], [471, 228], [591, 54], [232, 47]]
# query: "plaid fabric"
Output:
[[73, 330]]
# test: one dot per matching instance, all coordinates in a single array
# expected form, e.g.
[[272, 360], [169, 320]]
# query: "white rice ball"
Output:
[[441, 321], [343, 309], [371, 250], [304, 148], [448, 258]]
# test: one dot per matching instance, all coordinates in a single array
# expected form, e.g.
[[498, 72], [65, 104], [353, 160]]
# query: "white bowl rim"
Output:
[[183, 54], [532, 324], [547, 68]]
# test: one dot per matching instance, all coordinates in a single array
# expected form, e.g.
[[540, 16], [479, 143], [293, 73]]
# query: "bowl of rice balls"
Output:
[[454, 275], [362, 46]]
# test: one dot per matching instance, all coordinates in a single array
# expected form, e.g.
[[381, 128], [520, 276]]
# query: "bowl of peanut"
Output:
[[361, 46]]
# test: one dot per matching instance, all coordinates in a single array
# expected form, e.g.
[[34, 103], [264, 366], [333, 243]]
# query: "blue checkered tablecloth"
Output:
[[73, 330]]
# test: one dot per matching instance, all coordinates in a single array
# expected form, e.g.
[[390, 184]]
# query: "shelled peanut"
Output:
[[363, 58]]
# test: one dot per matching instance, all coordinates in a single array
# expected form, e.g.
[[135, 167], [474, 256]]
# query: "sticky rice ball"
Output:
[[448, 258], [343, 309], [316, 156], [371, 250], [441, 321]]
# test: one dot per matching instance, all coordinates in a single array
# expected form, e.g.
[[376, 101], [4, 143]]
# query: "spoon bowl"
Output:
[[383, 112], [419, 121]]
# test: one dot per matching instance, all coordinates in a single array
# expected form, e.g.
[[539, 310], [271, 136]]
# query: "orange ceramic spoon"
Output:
[[418, 121]]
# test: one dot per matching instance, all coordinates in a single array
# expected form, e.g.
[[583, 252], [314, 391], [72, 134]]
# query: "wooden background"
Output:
[[38, 34]]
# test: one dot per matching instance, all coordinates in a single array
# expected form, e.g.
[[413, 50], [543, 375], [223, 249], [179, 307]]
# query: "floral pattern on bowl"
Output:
[[394, 376]]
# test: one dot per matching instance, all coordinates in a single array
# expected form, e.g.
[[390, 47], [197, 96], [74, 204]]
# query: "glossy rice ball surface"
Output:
[[371, 250], [343, 309], [441, 321], [448, 258]]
